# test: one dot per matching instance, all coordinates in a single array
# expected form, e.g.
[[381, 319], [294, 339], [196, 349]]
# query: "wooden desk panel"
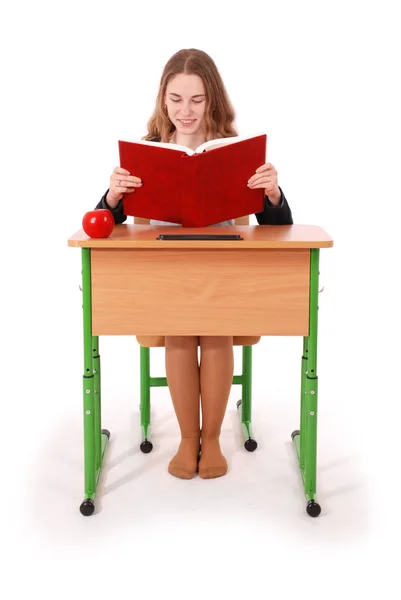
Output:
[[200, 292]]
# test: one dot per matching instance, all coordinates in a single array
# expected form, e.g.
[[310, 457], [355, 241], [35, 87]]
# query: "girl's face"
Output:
[[186, 100]]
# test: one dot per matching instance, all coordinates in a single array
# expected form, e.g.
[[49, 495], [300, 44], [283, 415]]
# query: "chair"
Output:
[[244, 405]]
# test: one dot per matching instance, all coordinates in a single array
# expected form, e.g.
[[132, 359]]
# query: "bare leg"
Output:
[[216, 376], [182, 372]]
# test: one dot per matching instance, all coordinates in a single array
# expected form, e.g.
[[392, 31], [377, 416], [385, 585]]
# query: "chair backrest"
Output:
[[238, 221]]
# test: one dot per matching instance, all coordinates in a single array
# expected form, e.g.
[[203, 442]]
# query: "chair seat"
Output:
[[157, 341]]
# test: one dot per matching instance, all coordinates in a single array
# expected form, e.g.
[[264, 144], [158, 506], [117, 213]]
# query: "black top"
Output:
[[271, 214]]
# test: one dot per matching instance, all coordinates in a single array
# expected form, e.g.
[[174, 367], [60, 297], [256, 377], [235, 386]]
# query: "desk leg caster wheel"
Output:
[[250, 445], [313, 508], [294, 433], [87, 507], [146, 446]]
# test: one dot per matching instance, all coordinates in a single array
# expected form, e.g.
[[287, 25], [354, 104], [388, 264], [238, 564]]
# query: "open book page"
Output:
[[210, 145], [163, 145]]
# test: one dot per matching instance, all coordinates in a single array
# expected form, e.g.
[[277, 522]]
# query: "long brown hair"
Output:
[[219, 112]]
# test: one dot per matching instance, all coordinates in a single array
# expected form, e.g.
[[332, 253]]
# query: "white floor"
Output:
[[153, 534]]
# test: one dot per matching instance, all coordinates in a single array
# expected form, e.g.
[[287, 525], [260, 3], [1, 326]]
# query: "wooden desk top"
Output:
[[255, 236]]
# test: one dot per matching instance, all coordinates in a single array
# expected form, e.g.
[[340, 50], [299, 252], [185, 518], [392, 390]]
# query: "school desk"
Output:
[[265, 284]]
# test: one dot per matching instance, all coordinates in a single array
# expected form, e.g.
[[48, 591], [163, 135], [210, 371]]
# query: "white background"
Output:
[[321, 79]]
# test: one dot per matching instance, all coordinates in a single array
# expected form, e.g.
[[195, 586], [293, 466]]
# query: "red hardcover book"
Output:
[[194, 188]]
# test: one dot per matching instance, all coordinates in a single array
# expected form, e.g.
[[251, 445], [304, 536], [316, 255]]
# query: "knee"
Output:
[[181, 342], [216, 341]]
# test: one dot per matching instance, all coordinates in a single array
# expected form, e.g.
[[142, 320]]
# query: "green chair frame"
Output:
[[244, 405]]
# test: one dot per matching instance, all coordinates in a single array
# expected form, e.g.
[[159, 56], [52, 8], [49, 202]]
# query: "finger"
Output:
[[265, 167], [262, 168], [262, 186], [267, 173], [122, 177], [121, 171], [262, 181], [127, 182], [124, 190]]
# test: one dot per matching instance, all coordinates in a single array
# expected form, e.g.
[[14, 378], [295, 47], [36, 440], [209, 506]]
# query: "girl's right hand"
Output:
[[121, 182]]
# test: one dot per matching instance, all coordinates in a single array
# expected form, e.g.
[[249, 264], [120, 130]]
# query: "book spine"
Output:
[[191, 212]]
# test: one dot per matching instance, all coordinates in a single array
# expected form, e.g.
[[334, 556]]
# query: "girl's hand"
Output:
[[121, 182], [266, 177]]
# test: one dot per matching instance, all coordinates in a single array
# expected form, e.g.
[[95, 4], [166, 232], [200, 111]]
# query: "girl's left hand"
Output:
[[266, 177]]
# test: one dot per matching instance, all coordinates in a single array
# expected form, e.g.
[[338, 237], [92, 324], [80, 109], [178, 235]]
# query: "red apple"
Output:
[[98, 223]]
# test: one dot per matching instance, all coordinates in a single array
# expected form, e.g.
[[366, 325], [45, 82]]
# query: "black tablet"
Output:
[[199, 236]]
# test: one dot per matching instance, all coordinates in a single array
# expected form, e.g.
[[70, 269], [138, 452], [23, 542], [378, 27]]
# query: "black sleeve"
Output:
[[119, 216], [275, 215]]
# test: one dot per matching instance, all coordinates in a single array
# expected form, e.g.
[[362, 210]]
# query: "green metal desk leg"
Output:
[[244, 405], [304, 373], [95, 440], [305, 440], [102, 436], [145, 383]]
